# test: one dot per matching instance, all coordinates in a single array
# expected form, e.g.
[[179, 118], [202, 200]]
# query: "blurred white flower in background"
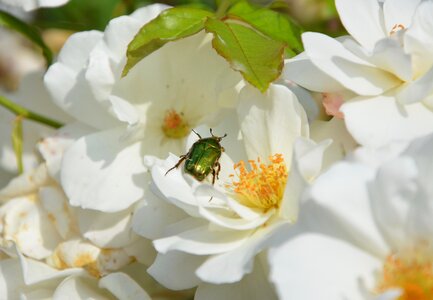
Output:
[[386, 64], [212, 233], [29, 5], [17, 59], [367, 229]]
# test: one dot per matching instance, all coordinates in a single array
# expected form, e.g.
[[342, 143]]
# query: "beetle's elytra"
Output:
[[203, 157]]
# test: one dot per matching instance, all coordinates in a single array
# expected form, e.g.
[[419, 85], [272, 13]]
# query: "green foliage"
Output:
[[80, 15], [28, 31], [257, 57], [251, 38], [170, 25], [271, 23], [17, 142]]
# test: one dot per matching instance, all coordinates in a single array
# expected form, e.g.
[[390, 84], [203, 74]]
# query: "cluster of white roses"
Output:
[[319, 194]]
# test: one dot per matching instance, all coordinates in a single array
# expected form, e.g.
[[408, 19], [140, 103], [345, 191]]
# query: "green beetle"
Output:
[[203, 157]]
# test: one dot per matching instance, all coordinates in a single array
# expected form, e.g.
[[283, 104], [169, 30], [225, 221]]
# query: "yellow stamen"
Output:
[[263, 185], [413, 274], [174, 125]]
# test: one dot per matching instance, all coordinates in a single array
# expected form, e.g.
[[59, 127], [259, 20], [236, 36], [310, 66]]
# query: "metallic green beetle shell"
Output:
[[203, 157]]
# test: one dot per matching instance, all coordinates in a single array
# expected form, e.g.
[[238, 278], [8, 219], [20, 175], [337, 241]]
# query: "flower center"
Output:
[[263, 185], [174, 125], [413, 274]]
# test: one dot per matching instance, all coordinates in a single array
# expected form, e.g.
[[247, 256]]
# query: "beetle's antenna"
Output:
[[199, 136], [211, 132]]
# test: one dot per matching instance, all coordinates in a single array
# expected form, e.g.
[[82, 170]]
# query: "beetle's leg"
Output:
[[182, 158], [199, 136], [214, 175], [218, 166]]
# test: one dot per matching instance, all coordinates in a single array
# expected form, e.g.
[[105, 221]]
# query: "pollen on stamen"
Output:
[[262, 185], [396, 28], [174, 125], [413, 274]]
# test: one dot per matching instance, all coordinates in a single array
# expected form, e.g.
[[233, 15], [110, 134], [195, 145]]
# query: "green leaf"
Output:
[[257, 57], [17, 141], [271, 23], [29, 32], [170, 25]]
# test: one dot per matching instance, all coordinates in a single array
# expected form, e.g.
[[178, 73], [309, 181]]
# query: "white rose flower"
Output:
[[28, 5], [55, 250], [151, 111], [387, 63], [367, 230], [211, 234]]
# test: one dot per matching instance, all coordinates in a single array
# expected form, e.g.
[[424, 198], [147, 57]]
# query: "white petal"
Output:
[[307, 163], [67, 85], [28, 182], [342, 141], [231, 266], [309, 157], [182, 196], [80, 288], [376, 121], [55, 203], [202, 241], [11, 278], [390, 56], [101, 172], [306, 99], [418, 90], [106, 230], [313, 266], [176, 270], [254, 286], [142, 250], [75, 253], [420, 151], [399, 12], [35, 272], [236, 223], [271, 122], [53, 146], [393, 194], [25, 222], [341, 207], [352, 71], [124, 110], [123, 287], [418, 40], [153, 214], [420, 225], [302, 71], [363, 20]]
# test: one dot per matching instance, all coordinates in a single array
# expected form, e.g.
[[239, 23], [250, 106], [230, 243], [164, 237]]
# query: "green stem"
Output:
[[27, 114], [17, 142], [222, 8]]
